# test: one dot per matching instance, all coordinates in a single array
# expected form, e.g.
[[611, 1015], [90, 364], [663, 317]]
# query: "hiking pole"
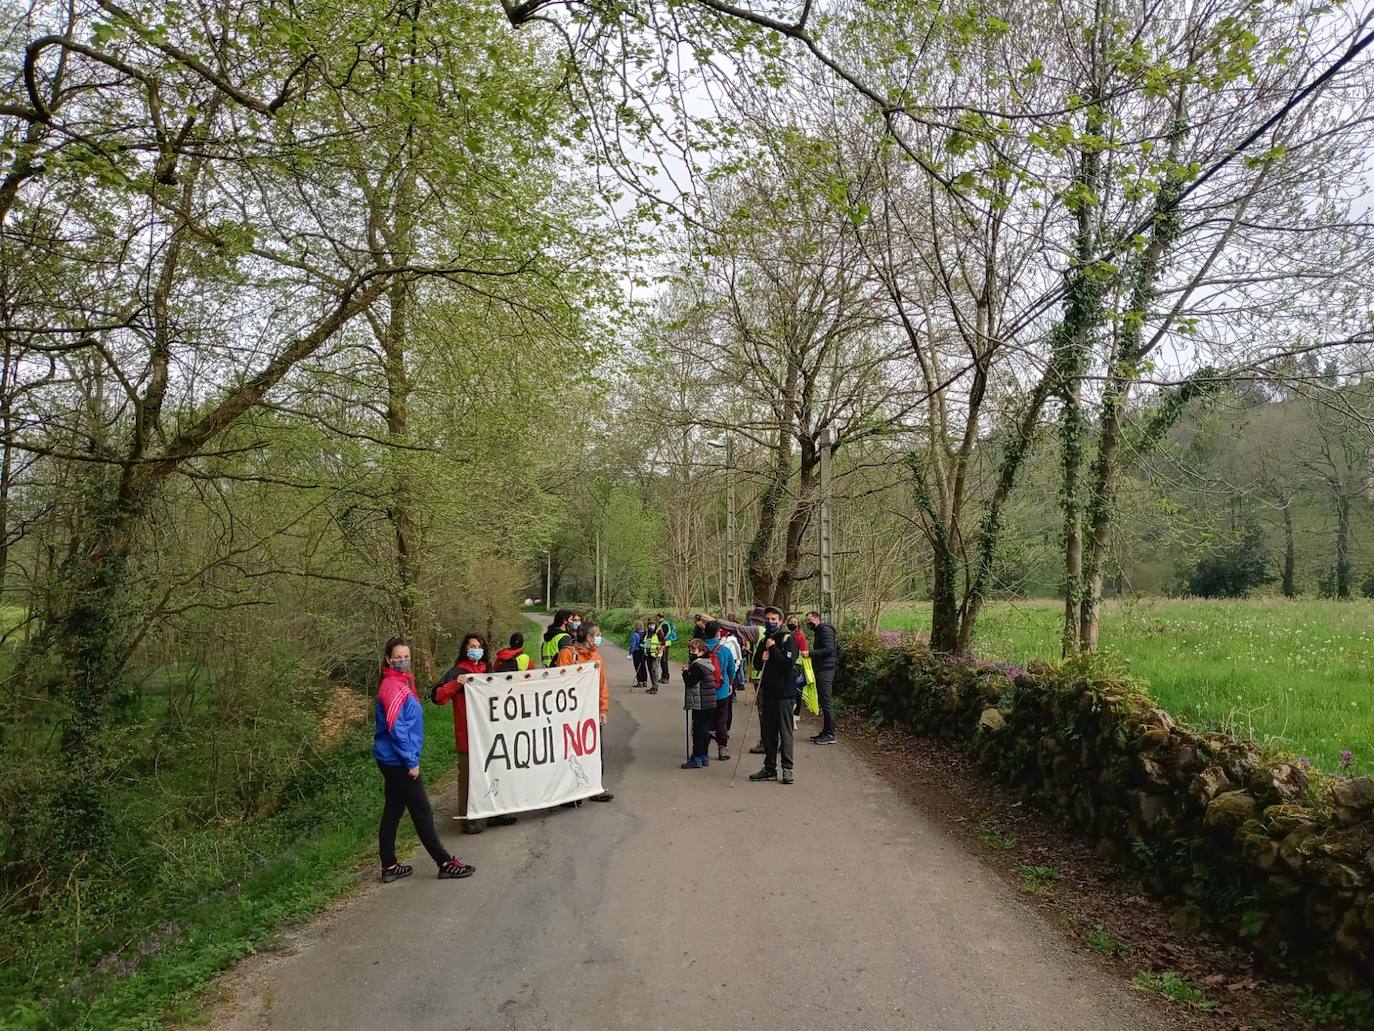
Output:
[[739, 752]]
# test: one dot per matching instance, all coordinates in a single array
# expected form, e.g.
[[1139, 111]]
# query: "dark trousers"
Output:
[[641, 667], [723, 707], [402, 793], [703, 720], [825, 691], [775, 720], [664, 660]]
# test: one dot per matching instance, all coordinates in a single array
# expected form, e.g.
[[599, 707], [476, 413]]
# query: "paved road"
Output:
[[689, 904]]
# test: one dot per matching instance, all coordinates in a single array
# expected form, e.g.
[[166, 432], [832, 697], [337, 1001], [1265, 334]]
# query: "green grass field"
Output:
[[1295, 676]]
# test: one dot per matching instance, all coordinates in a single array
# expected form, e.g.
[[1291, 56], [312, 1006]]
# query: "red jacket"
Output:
[[450, 688]]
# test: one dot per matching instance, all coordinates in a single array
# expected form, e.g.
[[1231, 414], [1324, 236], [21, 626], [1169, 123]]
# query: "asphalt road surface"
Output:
[[690, 904]]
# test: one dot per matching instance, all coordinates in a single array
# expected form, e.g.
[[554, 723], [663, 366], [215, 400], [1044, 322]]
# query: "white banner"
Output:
[[534, 738]]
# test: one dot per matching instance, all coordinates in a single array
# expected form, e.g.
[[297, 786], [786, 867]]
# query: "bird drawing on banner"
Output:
[[579, 773]]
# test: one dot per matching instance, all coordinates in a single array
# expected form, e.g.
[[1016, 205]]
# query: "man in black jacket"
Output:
[[775, 659], [823, 662]]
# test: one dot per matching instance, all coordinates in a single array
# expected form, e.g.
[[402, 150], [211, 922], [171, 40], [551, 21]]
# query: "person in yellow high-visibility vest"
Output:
[[555, 638], [654, 646]]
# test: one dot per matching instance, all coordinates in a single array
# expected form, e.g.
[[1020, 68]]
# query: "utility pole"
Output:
[[827, 555], [731, 585]]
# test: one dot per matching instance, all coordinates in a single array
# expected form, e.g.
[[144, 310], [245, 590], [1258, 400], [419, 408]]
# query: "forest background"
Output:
[[324, 321]]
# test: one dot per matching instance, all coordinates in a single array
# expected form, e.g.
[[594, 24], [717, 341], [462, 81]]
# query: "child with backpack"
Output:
[[513, 658], [699, 697]]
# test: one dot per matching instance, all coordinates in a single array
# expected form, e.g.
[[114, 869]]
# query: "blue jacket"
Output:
[[400, 745], [634, 640], [726, 659]]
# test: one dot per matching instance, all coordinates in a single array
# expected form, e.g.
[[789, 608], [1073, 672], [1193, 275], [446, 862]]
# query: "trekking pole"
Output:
[[739, 752]]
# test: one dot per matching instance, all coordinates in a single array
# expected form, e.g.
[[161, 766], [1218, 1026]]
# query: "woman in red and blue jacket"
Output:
[[471, 659], [396, 745]]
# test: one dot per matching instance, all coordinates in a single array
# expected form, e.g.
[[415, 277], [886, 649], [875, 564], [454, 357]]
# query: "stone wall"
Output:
[[1279, 856]]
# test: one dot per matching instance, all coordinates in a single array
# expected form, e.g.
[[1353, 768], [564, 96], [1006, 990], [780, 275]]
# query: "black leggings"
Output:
[[404, 792]]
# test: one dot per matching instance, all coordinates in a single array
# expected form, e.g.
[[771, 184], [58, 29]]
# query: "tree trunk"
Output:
[[1343, 548], [797, 524], [1290, 579], [400, 511], [990, 529]]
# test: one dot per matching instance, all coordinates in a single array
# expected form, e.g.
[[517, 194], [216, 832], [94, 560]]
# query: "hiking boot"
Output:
[[455, 869], [764, 774], [395, 872], [786, 775], [823, 739], [473, 826], [722, 755]]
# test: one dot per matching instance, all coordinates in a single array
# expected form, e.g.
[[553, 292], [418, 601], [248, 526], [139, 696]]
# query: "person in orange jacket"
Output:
[[472, 658], [587, 648]]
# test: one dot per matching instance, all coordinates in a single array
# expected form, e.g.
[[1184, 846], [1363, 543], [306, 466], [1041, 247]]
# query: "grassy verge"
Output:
[[1293, 675], [121, 952]]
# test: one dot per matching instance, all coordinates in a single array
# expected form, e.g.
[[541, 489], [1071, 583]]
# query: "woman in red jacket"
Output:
[[472, 658]]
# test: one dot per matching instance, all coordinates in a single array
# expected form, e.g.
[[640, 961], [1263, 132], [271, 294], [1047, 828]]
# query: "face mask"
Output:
[[400, 665], [575, 623], [475, 654], [773, 626], [597, 640]]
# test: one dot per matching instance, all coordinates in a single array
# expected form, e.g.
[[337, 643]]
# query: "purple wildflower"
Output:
[[1347, 759], [1305, 763]]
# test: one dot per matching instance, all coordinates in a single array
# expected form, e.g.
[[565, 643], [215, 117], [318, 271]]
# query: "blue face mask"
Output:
[[475, 654], [597, 640], [575, 623], [773, 625]]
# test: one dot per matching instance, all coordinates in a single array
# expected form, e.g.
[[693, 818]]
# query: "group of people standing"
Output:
[[722, 657], [399, 733], [717, 668]]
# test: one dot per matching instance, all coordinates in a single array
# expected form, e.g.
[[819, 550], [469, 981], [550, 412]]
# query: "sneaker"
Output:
[[455, 869], [395, 872], [823, 739], [693, 763], [786, 775], [722, 755], [764, 774], [652, 690], [605, 796]]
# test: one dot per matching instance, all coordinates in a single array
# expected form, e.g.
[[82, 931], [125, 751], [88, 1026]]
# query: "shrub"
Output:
[[1232, 570]]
